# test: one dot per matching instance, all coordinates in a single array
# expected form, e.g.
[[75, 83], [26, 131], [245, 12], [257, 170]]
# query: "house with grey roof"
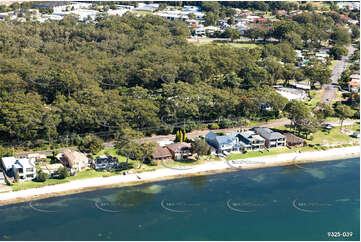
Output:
[[272, 139], [249, 140], [223, 143]]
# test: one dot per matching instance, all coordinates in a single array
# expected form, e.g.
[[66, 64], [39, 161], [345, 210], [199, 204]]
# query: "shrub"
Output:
[[213, 126], [41, 176], [62, 173]]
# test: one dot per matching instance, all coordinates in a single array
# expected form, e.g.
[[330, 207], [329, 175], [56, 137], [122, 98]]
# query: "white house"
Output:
[[24, 167]]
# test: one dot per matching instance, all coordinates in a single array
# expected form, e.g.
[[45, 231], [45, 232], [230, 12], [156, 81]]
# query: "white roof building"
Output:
[[24, 167]]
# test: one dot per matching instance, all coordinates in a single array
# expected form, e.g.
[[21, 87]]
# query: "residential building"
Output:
[[250, 140], [147, 7], [272, 139], [292, 93], [161, 153], [51, 169], [191, 9], [24, 167], [354, 84], [179, 150], [105, 162], [293, 140], [223, 143], [75, 160]]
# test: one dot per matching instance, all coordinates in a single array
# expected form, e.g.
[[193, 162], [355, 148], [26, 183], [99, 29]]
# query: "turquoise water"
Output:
[[281, 203]]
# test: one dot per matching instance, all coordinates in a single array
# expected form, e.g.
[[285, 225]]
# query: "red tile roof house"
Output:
[[161, 153], [179, 151]]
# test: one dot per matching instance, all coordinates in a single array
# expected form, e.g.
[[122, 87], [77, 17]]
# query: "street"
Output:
[[329, 91]]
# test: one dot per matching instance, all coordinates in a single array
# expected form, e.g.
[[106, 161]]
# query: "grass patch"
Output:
[[275, 151], [316, 98], [90, 173], [333, 136]]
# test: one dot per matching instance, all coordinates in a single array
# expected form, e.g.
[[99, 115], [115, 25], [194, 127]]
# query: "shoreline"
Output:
[[162, 174]]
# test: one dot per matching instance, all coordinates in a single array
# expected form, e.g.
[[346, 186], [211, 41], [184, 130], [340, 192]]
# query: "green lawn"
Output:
[[334, 136], [316, 97], [239, 45], [90, 173], [275, 151]]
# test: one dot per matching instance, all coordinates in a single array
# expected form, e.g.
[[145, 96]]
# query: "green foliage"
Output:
[[41, 176], [62, 173], [92, 144], [338, 51], [213, 126], [199, 147]]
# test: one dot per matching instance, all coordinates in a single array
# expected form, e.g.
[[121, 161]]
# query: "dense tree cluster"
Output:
[[62, 80]]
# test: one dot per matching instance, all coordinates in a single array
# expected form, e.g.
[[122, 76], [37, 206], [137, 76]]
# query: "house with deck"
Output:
[[250, 140], [223, 143], [24, 167], [179, 150], [272, 139]]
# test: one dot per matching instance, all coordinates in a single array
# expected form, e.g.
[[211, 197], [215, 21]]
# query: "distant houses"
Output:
[[354, 83]]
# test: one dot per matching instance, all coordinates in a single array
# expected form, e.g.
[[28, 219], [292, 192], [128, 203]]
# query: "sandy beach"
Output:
[[172, 173]]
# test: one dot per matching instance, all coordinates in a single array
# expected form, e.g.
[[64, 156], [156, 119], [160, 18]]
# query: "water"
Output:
[[281, 203]]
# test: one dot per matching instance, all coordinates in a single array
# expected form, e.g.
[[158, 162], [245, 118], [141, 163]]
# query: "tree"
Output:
[[343, 111], [92, 144], [323, 111], [210, 19], [338, 51], [62, 172], [299, 114], [192, 16], [256, 31], [232, 34], [355, 31], [318, 74], [341, 36], [41, 176], [199, 147]]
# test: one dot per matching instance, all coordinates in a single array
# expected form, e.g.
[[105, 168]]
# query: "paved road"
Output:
[[329, 91]]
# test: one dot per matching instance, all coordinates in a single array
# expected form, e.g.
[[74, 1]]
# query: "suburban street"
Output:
[[329, 91]]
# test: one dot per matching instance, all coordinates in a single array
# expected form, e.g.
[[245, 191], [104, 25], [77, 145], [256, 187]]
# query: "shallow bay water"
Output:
[[280, 203]]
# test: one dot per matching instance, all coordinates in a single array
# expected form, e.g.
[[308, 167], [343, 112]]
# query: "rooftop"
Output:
[[268, 133]]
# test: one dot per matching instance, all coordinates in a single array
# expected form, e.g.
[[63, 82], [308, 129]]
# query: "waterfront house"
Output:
[[105, 162], [272, 139], [223, 143], [293, 140], [180, 150], [24, 167], [250, 140], [51, 169], [161, 153], [75, 160]]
